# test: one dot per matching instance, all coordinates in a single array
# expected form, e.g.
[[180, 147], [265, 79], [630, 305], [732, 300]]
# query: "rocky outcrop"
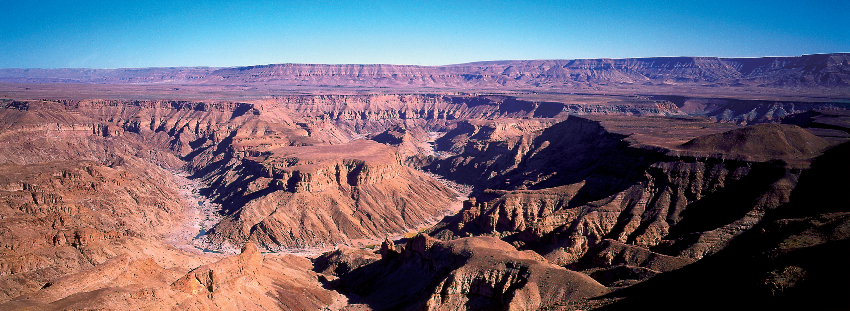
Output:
[[467, 274], [248, 281], [639, 212], [62, 217], [793, 259], [313, 196], [344, 260], [255, 156]]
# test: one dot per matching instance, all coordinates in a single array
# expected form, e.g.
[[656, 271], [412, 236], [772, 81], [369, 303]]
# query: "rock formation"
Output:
[[325, 195], [246, 281], [629, 211], [477, 273], [594, 184]]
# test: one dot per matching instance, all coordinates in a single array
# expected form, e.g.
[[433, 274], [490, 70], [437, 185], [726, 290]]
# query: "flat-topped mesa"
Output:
[[316, 168], [42, 118], [820, 70], [324, 195]]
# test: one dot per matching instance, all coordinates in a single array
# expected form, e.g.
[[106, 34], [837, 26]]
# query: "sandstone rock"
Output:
[[243, 282], [332, 195], [469, 273], [344, 260]]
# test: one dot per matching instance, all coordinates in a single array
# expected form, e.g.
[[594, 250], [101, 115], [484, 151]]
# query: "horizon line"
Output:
[[411, 65]]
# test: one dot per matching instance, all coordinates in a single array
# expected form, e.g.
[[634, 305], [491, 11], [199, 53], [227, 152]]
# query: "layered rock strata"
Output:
[[249, 280], [312, 196], [822, 70], [479, 273], [644, 210]]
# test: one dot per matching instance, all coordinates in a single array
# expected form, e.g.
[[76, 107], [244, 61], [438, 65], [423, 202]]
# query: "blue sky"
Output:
[[130, 33]]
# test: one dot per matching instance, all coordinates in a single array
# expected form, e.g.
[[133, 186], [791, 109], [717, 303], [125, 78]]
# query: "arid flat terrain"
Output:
[[598, 184]]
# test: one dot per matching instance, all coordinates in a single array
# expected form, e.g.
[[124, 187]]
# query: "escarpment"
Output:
[[475, 273], [819, 70], [616, 202]]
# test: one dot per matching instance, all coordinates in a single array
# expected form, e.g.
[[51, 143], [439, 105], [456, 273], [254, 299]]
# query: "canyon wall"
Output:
[[569, 201]]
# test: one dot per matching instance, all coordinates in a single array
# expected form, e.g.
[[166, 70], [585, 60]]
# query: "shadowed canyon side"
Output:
[[646, 210], [510, 199], [477, 273]]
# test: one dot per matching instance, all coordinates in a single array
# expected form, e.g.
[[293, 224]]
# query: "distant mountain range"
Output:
[[819, 70]]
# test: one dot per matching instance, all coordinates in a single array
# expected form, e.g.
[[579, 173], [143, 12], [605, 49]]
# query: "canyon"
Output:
[[603, 184]]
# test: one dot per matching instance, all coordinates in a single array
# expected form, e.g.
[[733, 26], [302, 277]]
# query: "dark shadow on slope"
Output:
[[821, 188], [548, 109], [729, 203], [582, 150], [570, 151], [795, 259], [513, 107], [392, 284], [242, 109], [223, 147]]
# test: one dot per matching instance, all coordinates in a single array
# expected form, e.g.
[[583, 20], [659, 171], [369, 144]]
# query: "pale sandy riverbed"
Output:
[[201, 215]]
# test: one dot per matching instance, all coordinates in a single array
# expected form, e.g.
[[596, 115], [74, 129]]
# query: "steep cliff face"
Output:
[[646, 210], [438, 110], [792, 259], [479, 273], [527, 154], [76, 193], [569, 220], [823, 69], [658, 215]]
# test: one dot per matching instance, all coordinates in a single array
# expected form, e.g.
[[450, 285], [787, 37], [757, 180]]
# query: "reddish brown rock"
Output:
[[325, 195], [344, 260], [470, 273], [249, 281]]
